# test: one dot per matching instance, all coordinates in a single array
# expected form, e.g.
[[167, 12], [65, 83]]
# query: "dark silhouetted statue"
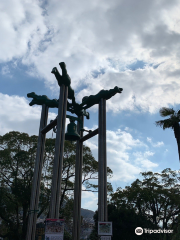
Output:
[[88, 102], [64, 79], [78, 109]]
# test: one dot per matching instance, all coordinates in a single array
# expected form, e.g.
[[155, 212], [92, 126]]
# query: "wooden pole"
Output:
[[78, 186], [58, 158], [58, 194], [89, 135], [31, 227], [49, 126], [102, 163], [105, 161]]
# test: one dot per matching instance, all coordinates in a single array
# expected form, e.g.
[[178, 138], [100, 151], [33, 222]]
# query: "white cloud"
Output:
[[89, 199], [127, 129], [87, 35], [22, 28], [143, 162], [158, 144], [126, 156], [17, 115], [5, 70]]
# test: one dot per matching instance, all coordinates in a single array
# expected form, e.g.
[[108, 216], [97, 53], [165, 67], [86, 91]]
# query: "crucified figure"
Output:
[[88, 102], [64, 79], [54, 103]]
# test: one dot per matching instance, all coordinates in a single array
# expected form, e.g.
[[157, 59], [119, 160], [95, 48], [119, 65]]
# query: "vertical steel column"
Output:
[[31, 227], [57, 167], [78, 186], [102, 163]]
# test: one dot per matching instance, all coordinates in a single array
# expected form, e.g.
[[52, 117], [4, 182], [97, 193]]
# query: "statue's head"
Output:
[[84, 98], [31, 94]]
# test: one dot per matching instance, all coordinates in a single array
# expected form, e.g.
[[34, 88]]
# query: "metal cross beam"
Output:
[[52, 124]]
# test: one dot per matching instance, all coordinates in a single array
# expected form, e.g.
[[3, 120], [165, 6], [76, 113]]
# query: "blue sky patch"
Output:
[[96, 73]]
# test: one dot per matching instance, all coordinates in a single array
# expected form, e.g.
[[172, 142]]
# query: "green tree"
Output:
[[17, 158], [16, 172], [156, 197], [172, 122], [176, 228]]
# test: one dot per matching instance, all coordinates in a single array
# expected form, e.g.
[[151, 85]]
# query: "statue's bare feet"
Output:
[[62, 65]]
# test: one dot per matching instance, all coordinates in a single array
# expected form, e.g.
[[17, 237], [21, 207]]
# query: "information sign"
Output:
[[105, 228], [54, 229]]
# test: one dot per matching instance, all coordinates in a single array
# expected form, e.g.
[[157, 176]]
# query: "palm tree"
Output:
[[172, 122]]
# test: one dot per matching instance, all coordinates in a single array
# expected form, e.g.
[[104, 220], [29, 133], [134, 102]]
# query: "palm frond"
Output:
[[167, 123], [164, 112], [178, 113]]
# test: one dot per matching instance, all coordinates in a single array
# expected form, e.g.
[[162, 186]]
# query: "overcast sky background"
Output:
[[134, 45]]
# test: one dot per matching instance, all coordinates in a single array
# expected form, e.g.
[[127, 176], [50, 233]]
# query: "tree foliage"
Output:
[[156, 197], [172, 121], [151, 203], [17, 158]]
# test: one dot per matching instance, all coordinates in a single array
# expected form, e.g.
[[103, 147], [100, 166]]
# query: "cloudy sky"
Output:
[[134, 45]]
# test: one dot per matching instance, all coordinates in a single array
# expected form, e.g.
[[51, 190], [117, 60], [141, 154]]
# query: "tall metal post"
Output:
[[31, 227], [78, 186], [102, 163], [59, 150]]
